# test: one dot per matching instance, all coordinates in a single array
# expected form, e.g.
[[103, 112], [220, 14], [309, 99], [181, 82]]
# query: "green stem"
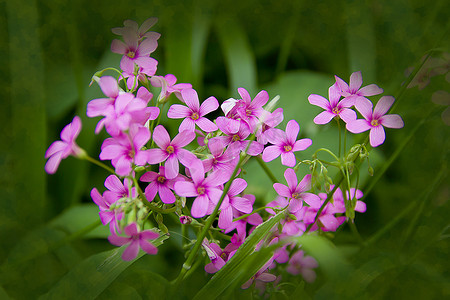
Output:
[[328, 151], [339, 127], [100, 164], [266, 169]]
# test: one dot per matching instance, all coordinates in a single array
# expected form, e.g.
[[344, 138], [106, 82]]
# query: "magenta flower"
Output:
[[375, 121], [205, 190], [124, 150], [107, 216], [333, 107], [60, 150], [354, 90], [171, 151], [290, 226], [328, 221], [233, 201], [236, 140], [193, 114], [217, 256], [135, 239], [301, 264], [241, 225], [110, 88], [295, 191], [222, 159], [168, 86], [250, 110], [135, 52], [270, 121], [261, 275], [285, 144], [117, 189], [161, 185]]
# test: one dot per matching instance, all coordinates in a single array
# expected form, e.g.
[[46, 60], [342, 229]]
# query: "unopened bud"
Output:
[[185, 220], [370, 170]]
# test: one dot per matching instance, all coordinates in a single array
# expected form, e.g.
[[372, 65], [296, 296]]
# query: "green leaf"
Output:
[[238, 54], [236, 268], [91, 277]]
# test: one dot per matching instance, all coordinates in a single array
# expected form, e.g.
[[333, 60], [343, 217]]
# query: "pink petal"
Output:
[[150, 191], [178, 111], [148, 247], [288, 159], [206, 125], [364, 106], [360, 206], [324, 117], [109, 86], [270, 153], [147, 46], [53, 162], [292, 129], [118, 240], [56, 146], [382, 107], [267, 277], [188, 125], [334, 95], [358, 126], [260, 99], [172, 167], [190, 97], [343, 86], [161, 137], [302, 144], [209, 105], [242, 204], [392, 121], [200, 206], [185, 189], [355, 81], [166, 195], [183, 138], [304, 185], [282, 190], [226, 218], [117, 46], [155, 156], [370, 90], [237, 186], [131, 229], [308, 274], [127, 64], [114, 184], [377, 136], [347, 115], [291, 178], [131, 251]]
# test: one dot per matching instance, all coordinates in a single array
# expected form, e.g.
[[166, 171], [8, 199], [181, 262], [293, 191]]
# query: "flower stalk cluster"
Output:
[[196, 172]]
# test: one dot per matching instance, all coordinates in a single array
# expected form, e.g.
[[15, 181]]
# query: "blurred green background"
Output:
[[50, 49]]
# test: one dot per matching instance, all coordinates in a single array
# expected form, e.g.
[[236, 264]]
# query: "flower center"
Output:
[[223, 256], [248, 112], [170, 149], [161, 179], [201, 190], [131, 54], [374, 123], [336, 110], [195, 116], [287, 148], [236, 138], [295, 195]]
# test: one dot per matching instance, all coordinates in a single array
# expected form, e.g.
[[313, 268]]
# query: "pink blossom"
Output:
[[205, 190], [233, 201], [261, 275], [222, 159], [125, 149], [295, 191], [250, 110], [135, 239], [327, 219], [168, 86], [60, 150], [161, 185], [354, 91], [135, 52], [107, 216], [292, 224], [194, 113], [285, 144], [333, 107], [217, 256], [271, 120], [117, 189], [301, 264], [110, 88], [140, 31], [237, 140], [375, 121], [171, 152], [241, 225]]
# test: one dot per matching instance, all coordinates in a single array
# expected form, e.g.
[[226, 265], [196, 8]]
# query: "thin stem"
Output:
[[266, 169], [100, 164], [328, 151], [339, 127]]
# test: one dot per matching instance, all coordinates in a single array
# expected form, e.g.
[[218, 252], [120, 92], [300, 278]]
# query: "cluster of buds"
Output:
[[158, 172]]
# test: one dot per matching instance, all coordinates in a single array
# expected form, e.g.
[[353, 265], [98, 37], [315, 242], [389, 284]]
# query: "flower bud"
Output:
[[185, 220]]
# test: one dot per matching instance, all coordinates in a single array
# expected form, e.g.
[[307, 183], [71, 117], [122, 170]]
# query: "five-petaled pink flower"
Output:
[[333, 107], [171, 151], [161, 185], [136, 239], [301, 264], [354, 90], [194, 113], [60, 150], [375, 121], [285, 144], [296, 191], [106, 214]]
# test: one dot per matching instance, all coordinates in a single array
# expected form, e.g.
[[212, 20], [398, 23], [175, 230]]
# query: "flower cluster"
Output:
[[197, 171]]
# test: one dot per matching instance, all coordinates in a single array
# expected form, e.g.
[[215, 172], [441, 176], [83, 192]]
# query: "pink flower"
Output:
[[270, 121], [161, 185], [205, 190], [235, 202], [261, 275], [223, 159], [107, 216], [296, 191], [236, 140], [117, 189], [60, 150], [135, 239], [168, 86], [194, 113], [375, 121], [290, 226], [250, 110], [333, 107], [217, 256], [301, 264], [124, 150], [354, 91], [141, 32], [135, 52], [241, 225], [110, 88], [171, 151], [285, 144]]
